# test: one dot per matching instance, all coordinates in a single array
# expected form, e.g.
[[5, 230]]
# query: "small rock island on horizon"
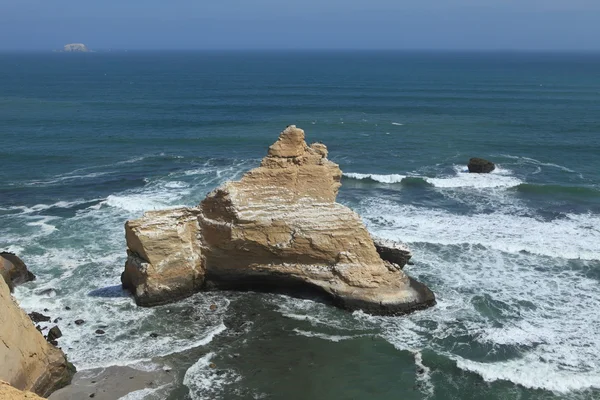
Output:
[[75, 48]]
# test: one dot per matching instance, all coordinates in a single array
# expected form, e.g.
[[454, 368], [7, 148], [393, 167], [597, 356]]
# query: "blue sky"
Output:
[[306, 24]]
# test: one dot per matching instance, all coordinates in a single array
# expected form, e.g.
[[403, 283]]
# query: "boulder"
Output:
[[7, 392], [481, 166], [395, 252], [13, 270], [27, 361], [279, 229], [53, 334]]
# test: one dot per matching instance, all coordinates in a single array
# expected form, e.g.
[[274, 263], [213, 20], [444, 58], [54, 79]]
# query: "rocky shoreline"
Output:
[[277, 229]]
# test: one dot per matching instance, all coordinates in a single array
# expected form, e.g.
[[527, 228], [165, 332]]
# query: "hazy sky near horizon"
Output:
[[277, 24]]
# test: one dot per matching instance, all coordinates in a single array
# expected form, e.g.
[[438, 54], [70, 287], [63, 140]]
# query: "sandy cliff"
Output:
[[27, 361]]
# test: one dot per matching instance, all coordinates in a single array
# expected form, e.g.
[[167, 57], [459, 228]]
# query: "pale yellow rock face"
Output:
[[279, 228], [164, 257], [8, 392], [27, 361]]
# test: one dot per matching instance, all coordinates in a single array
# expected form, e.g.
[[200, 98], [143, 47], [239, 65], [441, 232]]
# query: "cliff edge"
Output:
[[27, 361]]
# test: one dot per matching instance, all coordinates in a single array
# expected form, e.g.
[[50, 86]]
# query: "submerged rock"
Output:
[[277, 229], [13, 270], [27, 361], [479, 165]]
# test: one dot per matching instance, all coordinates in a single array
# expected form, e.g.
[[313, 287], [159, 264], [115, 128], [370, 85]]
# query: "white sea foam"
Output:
[[575, 236], [499, 178], [397, 123], [532, 373], [157, 393], [423, 375], [324, 336], [205, 382], [43, 207], [393, 178], [533, 161], [141, 202]]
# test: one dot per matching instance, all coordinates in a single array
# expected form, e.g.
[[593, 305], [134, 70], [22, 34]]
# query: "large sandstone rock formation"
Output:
[[27, 361], [277, 229], [13, 270]]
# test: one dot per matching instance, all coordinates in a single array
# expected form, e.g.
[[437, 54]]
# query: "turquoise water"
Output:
[[91, 140]]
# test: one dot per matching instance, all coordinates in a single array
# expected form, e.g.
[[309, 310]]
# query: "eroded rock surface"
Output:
[[7, 392], [395, 252], [27, 361], [277, 229], [13, 270]]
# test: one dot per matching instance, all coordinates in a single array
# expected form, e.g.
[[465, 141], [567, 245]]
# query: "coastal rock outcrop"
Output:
[[279, 229], [13, 270], [480, 165], [27, 361]]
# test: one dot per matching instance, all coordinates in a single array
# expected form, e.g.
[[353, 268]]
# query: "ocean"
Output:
[[91, 140]]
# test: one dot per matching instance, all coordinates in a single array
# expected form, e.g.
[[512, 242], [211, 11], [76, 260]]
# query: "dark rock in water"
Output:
[[154, 335], [53, 342], [79, 322], [13, 270], [56, 320], [47, 292], [392, 251], [213, 307], [38, 317], [67, 308], [54, 333], [100, 332], [481, 166]]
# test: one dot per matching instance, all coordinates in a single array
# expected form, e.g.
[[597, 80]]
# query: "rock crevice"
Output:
[[278, 228]]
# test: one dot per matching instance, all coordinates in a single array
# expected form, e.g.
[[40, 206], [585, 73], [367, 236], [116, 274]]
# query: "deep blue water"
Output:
[[91, 140]]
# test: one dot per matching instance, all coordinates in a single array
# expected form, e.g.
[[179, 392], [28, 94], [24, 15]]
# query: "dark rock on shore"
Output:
[[53, 334], [13, 270], [481, 166], [38, 317]]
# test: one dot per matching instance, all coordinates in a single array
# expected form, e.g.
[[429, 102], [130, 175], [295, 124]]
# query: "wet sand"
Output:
[[115, 382]]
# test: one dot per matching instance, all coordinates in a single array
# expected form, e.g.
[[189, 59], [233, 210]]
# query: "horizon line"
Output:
[[307, 49]]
